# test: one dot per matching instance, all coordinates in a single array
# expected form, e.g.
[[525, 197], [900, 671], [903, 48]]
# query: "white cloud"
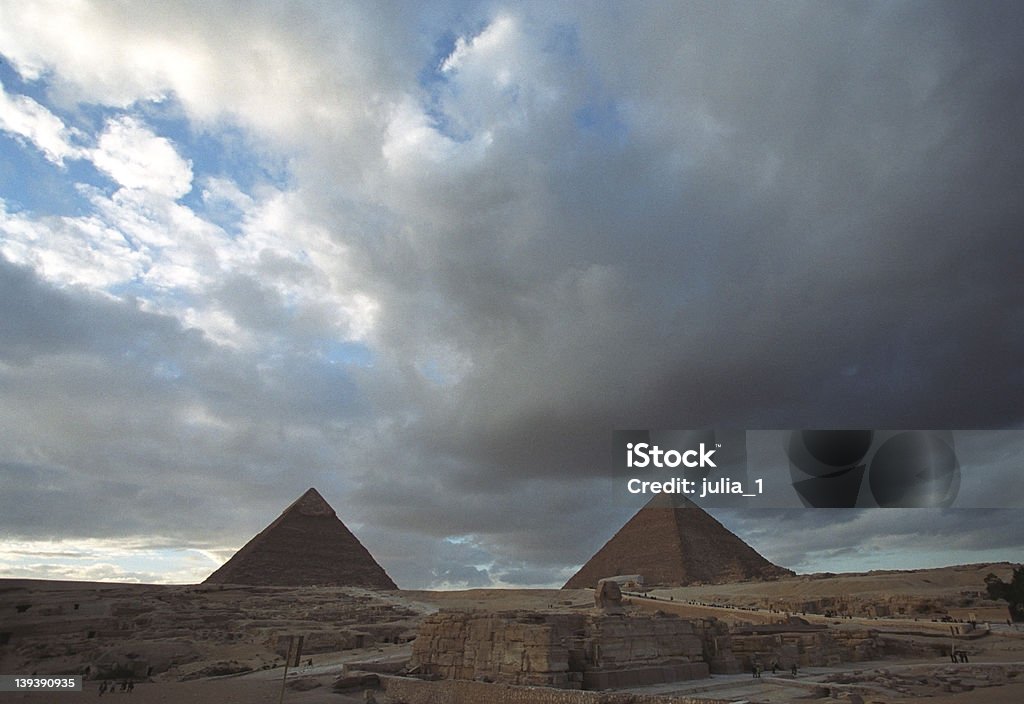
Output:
[[140, 235], [219, 326], [92, 560], [491, 46], [410, 137], [22, 116], [413, 146], [503, 77], [223, 190], [286, 248], [80, 251], [136, 158], [181, 247], [286, 70]]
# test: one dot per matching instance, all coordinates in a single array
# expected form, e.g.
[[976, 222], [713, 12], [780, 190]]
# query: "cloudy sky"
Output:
[[426, 257]]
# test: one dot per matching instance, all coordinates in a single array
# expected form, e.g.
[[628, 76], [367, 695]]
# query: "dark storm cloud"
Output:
[[809, 223], [843, 285], [40, 321]]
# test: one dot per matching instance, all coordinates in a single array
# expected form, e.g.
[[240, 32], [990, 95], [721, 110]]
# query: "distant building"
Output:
[[627, 581]]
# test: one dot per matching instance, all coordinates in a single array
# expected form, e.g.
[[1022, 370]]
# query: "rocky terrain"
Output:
[[183, 632], [223, 643], [926, 593]]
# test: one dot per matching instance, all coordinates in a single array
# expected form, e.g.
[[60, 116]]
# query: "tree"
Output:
[[1012, 593], [996, 587]]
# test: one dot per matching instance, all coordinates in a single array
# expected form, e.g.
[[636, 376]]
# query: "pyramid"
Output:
[[672, 541], [307, 545]]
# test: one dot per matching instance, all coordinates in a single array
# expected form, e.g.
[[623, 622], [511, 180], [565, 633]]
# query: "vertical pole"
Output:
[[287, 662]]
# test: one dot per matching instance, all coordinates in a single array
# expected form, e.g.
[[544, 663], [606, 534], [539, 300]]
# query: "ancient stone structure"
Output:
[[413, 691], [564, 650], [672, 541], [872, 605], [736, 649], [810, 646], [307, 545], [608, 595], [596, 650]]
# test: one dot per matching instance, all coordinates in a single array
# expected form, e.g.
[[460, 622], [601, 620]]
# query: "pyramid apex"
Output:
[[311, 504]]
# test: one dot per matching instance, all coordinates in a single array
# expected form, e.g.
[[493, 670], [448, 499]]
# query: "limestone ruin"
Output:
[[601, 650], [307, 545], [561, 650], [608, 595]]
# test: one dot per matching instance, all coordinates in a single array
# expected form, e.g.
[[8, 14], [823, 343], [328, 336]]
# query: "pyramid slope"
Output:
[[307, 545], [675, 542]]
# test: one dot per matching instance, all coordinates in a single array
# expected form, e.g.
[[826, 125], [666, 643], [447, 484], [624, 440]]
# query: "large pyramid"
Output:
[[307, 545], [672, 541]]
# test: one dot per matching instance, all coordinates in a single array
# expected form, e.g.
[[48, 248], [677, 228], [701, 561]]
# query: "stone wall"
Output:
[[717, 643], [595, 651], [631, 651], [516, 648], [564, 650], [402, 690], [861, 606], [738, 651]]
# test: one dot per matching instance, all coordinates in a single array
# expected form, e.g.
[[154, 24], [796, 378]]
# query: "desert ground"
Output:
[[221, 643]]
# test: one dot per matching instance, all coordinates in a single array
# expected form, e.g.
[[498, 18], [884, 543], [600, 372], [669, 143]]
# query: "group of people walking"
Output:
[[775, 668], [127, 686]]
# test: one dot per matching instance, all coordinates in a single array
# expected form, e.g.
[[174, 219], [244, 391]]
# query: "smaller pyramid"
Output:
[[307, 545], [673, 542]]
